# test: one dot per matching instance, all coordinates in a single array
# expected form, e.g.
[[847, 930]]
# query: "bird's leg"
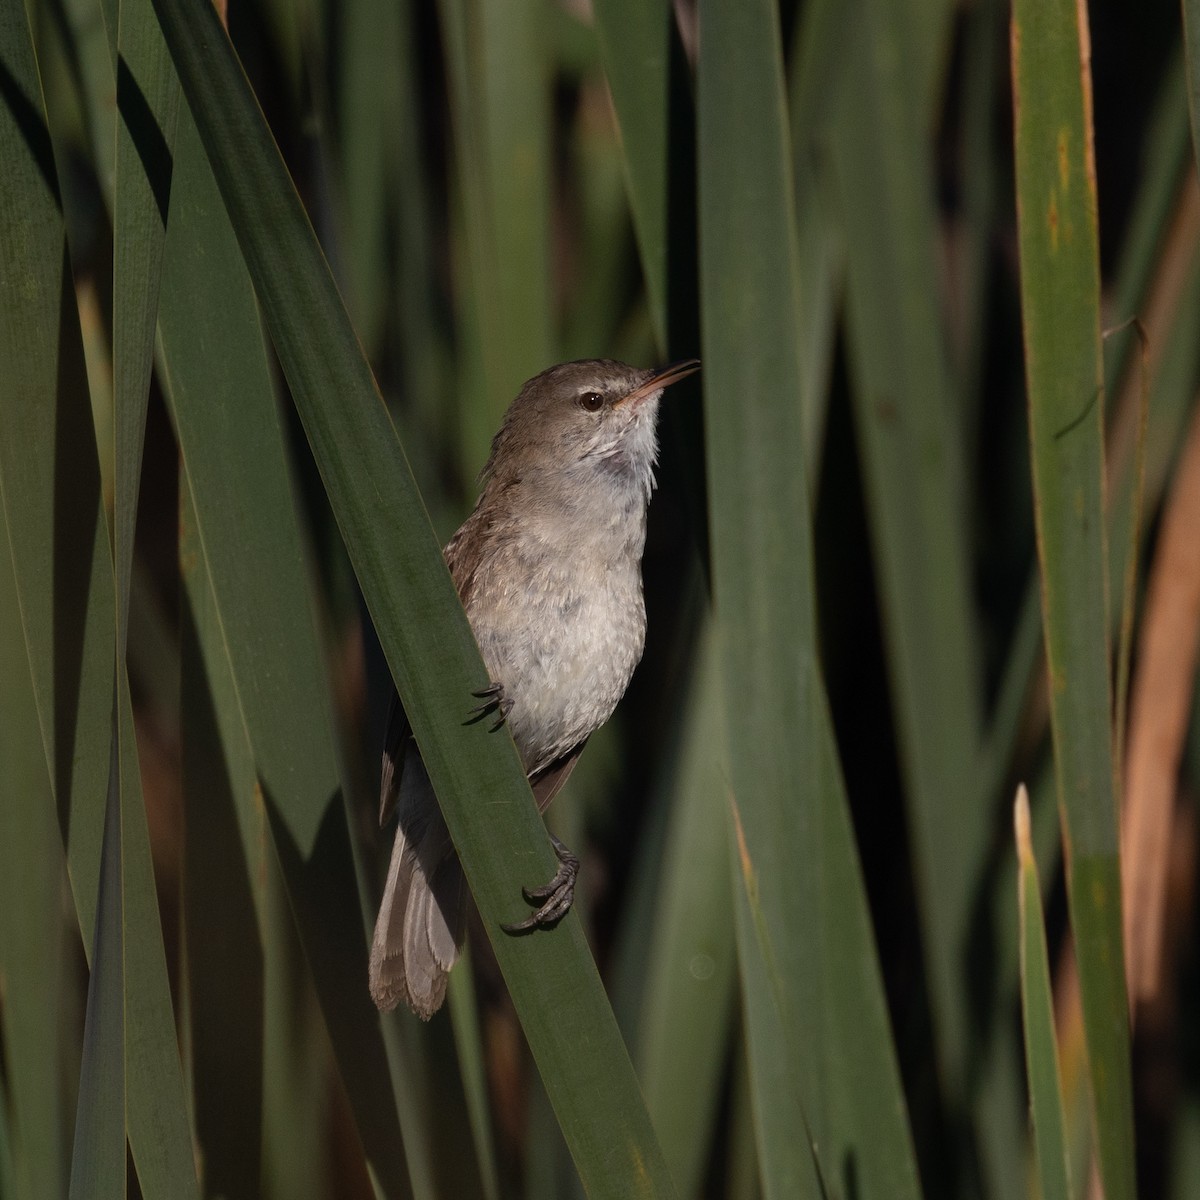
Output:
[[554, 897], [494, 700]]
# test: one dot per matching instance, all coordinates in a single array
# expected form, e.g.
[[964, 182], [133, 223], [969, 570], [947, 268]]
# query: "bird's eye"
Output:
[[591, 401]]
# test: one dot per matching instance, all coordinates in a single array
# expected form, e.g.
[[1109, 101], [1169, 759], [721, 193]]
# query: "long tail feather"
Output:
[[420, 926]]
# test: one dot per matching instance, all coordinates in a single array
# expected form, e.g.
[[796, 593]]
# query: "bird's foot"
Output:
[[494, 700], [553, 898]]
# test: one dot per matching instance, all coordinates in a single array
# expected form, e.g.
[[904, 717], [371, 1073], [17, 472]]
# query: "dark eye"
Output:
[[591, 401]]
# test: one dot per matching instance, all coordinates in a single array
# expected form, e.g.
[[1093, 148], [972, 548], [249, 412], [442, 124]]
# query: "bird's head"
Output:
[[579, 418]]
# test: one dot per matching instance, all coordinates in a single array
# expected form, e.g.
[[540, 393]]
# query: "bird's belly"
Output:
[[564, 658]]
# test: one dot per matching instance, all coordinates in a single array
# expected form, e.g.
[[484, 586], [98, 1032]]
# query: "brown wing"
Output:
[[464, 551], [548, 782]]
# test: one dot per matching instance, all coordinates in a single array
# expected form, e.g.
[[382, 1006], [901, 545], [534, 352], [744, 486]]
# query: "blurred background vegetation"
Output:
[[800, 879]]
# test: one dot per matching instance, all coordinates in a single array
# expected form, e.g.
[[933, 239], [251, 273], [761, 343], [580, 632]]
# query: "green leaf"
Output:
[[1191, 37], [600, 278], [813, 88], [370, 114], [129, 1038], [499, 78], [634, 41], [50, 483], [912, 454], [422, 627], [157, 1118], [49, 479], [36, 1054], [231, 436], [1060, 294], [223, 891], [147, 98], [687, 970], [468, 1038], [810, 981], [1163, 167], [1037, 1006], [98, 1155]]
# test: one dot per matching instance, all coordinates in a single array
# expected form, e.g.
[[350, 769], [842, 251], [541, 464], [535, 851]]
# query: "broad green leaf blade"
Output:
[[34, 1050], [911, 448], [688, 972], [499, 80], [817, 1005], [749, 299], [597, 301], [370, 114], [511, 99], [1147, 251], [1060, 295], [426, 379], [147, 98], [49, 480], [820, 261], [231, 436], [421, 625], [634, 43], [789, 1149], [1037, 1005]]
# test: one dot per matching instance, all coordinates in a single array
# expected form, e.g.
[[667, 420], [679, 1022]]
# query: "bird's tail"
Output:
[[420, 925]]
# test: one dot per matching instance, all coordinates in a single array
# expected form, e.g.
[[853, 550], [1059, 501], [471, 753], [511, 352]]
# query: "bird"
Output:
[[548, 567]]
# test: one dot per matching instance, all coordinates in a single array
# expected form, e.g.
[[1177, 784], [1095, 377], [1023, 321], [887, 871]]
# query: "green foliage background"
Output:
[[264, 297]]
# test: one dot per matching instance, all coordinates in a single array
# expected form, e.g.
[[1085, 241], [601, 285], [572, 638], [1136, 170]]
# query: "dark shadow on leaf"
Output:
[[77, 512], [324, 894], [27, 115], [225, 956], [148, 139]]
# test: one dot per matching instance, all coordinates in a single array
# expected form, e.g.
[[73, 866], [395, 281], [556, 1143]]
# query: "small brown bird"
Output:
[[549, 570]]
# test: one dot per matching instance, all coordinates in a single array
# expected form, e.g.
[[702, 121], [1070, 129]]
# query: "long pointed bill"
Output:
[[661, 379]]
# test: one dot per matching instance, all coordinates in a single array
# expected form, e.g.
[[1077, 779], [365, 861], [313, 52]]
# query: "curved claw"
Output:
[[504, 707], [554, 897], [494, 700]]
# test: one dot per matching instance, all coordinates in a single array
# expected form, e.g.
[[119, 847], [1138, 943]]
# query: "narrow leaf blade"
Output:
[[1060, 296]]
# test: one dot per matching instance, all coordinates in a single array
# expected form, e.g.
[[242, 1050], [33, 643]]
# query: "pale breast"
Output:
[[563, 633]]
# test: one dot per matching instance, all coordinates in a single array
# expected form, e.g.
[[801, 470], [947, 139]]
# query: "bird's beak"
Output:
[[661, 379]]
